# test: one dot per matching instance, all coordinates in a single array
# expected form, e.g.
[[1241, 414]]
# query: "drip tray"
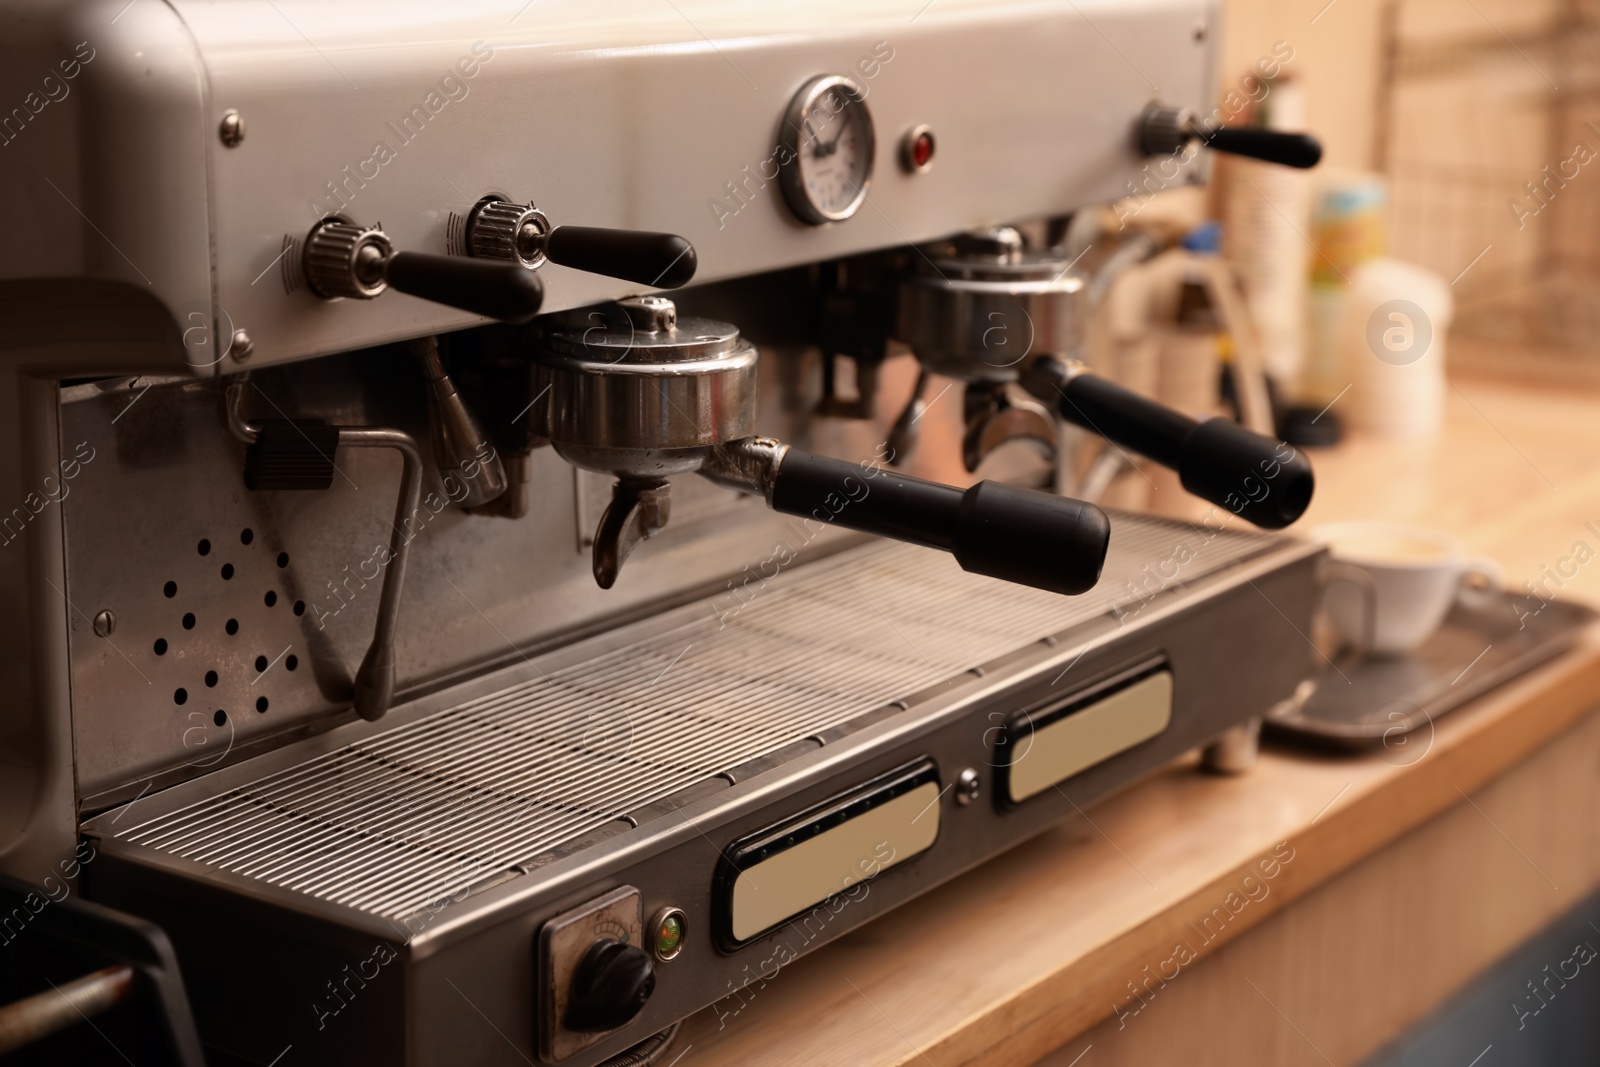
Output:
[[432, 799]]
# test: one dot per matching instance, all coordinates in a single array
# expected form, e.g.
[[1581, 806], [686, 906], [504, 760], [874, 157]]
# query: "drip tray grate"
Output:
[[398, 820]]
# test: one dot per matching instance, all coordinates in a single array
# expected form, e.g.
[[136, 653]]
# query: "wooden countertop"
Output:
[[1013, 961]]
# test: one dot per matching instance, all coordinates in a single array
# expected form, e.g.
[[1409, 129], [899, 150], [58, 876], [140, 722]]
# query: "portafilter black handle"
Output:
[[497, 290], [1017, 535], [659, 260], [1261, 480]]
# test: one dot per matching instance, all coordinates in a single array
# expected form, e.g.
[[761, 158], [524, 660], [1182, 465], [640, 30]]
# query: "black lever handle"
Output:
[[1017, 535], [659, 260], [1162, 129], [1263, 481], [1272, 146], [498, 290]]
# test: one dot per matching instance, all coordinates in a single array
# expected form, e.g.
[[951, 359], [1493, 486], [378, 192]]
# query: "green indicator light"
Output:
[[669, 934]]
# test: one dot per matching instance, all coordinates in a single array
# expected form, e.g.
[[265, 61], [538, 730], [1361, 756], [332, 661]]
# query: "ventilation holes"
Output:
[[211, 679], [246, 535], [262, 663], [180, 696], [170, 589], [271, 598], [227, 571], [161, 646], [299, 607], [188, 621], [261, 704], [204, 547], [292, 662], [220, 718], [283, 560], [232, 626]]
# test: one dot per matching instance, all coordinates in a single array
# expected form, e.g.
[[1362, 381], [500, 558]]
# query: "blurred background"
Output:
[[1459, 138]]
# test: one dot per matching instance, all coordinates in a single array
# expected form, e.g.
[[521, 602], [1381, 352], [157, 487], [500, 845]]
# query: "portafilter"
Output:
[[984, 311], [632, 390]]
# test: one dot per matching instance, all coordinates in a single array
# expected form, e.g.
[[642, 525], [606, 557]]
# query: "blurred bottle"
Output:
[[1267, 210], [1348, 231]]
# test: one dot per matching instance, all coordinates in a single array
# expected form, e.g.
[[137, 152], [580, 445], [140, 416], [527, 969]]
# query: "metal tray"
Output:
[[1386, 697]]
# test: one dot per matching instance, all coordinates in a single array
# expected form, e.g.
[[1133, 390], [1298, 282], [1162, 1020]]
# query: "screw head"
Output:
[[231, 129], [968, 786], [652, 314], [243, 347], [105, 623]]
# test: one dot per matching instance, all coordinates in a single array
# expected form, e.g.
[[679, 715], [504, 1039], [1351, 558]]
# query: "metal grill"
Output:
[[397, 821]]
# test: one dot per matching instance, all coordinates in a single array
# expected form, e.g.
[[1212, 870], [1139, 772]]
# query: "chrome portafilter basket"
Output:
[[631, 390], [975, 309], [1009, 322]]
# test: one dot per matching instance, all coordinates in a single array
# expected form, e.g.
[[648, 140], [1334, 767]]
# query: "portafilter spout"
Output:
[[633, 391]]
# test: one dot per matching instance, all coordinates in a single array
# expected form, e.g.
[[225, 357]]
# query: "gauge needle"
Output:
[[821, 150]]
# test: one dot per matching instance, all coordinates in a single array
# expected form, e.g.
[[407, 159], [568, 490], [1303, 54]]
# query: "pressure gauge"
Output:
[[829, 140]]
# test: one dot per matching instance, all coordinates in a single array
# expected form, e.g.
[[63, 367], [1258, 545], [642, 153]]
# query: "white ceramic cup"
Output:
[[1417, 575]]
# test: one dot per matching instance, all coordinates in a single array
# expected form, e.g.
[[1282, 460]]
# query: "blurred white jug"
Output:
[[1393, 339]]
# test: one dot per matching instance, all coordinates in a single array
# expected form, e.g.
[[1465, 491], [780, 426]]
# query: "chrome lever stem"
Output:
[[374, 686]]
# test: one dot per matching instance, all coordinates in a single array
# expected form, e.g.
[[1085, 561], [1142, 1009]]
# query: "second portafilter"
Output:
[[633, 391], [985, 312]]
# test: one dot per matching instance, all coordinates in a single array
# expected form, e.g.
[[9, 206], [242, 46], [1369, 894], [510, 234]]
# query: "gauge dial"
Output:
[[829, 137]]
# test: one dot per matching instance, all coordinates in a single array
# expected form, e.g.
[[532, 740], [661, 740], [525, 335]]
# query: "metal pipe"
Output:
[[461, 448], [375, 680], [374, 688], [33, 1018]]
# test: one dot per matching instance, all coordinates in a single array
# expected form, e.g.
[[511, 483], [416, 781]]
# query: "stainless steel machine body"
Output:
[[154, 188], [194, 594], [451, 834]]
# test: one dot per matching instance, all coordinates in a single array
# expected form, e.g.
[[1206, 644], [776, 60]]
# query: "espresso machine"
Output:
[[461, 608]]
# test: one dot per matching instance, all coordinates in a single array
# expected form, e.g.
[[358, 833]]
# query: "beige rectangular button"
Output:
[[812, 871], [1056, 751]]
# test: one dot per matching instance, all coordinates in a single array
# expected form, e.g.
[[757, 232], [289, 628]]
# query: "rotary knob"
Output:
[[346, 260], [520, 233], [342, 259], [499, 229], [610, 987], [1163, 129]]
